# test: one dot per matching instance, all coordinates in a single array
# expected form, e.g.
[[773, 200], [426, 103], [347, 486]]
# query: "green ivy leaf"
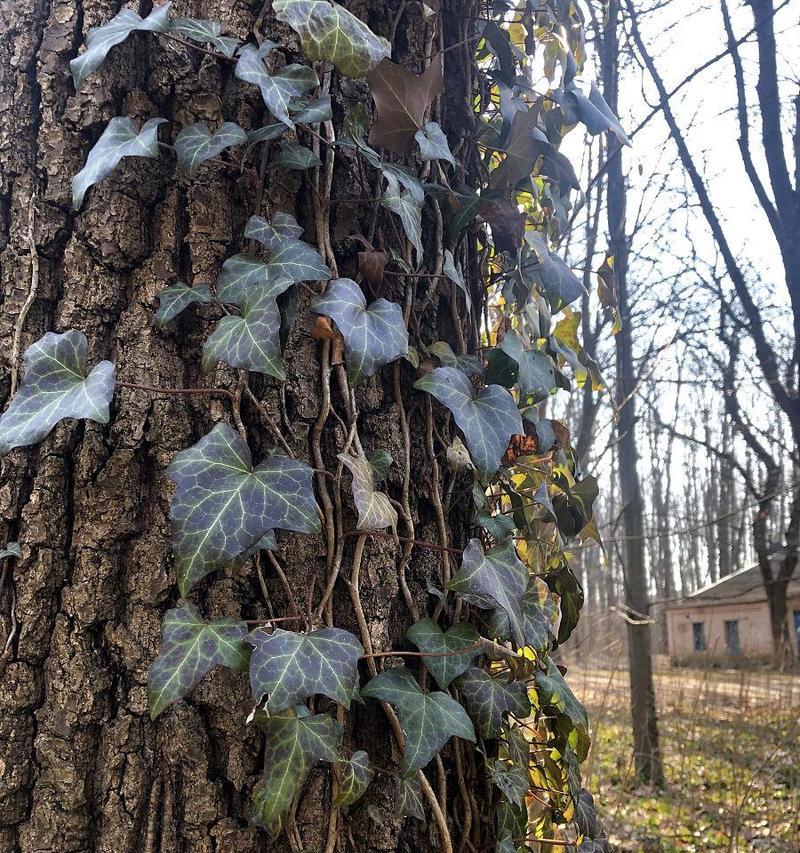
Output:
[[195, 144], [223, 506], [277, 90], [499, 526], [409, 798], [329, 32], [266, 134], [433, 143], [450, 269], [560, 284], [487, 418], [12, 549], [495, 579], [380, 461], [270, 234], [190, 648], [289, 667], [469, 365], [356, 775], [539, 616], [535, 375], [314, 112], [407, 204], [427, 636], [291, 156], [428, 719], [375, 511], [205, 32], [56, 385], [595, 113], [553, 690], [511, 779], [490, 700], [173, 299], [119, 139], [293, 745], [99, 40], [373, 336]]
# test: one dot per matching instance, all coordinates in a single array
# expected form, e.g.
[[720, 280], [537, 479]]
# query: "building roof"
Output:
[[744, 587]]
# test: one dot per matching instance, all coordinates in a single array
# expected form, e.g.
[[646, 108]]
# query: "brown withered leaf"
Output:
[[401, 99], [372, 265], [323, 329], [508, 224]]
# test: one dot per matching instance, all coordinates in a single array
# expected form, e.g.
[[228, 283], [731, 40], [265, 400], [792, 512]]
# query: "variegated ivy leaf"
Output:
[[266, 134], [12, 549], [196, 144], [205, 32], [409, 798], [119, 139], [452, 272], [373, 336], [451, 652], [293, 156], [99, 40], [433, 143], [375, 511], [468, 364], [223, 506], [293, 745], [496, 578], [316, 111], [252, 340], [488, 418], [490, 700], [553, 690], [279, 89], [407, 204], [56, 385], [356, 775], [329, 32], [173, 299], [535, 375], [428, 720], [190, 648], [289, 667]]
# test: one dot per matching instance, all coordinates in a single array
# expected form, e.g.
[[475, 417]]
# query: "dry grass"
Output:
[[731, 746]]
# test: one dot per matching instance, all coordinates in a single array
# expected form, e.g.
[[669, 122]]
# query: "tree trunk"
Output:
[[647, 757], [82, 768]]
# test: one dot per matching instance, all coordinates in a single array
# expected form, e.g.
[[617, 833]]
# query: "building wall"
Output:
[[755, 638]]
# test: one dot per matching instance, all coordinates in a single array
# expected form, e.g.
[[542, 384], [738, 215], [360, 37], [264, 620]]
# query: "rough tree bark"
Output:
[[82, 768]]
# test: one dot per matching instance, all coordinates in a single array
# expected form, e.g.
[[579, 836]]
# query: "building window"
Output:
[[699, 636], [732, 637]]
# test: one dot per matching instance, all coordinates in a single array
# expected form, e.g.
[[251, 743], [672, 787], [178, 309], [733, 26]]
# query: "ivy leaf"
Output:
[[487, 418], [560, 283], [433, 143], [539, 616], [292, 156], [223, 506], [278, 89], [595, 113], [250, 341], [173, 299], [401, 100], [428, 719], [535, 375], [373, 336], [496, 578], [266, 134], [554, 691], [409, 798], [375, 511], [356, 775], [468, 364], [205, 32], [119, 139], [329, 32], [289, 256], [12, 549], [56, 385], [99, 40], [407, 204], [290, 667], [450, 269], [195, 144], [293, 745], [427, 636], [318, 110], [489, 700], [521, 150], [380, 461], [190, 648], [270, 234], [511, 779]]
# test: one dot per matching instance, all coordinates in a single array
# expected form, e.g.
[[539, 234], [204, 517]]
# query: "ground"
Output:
[[731, 745]]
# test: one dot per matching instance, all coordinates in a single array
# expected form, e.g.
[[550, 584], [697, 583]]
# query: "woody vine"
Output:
[[477, 676]]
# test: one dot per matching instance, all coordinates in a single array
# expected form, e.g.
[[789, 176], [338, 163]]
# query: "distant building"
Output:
[[727, 622]]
